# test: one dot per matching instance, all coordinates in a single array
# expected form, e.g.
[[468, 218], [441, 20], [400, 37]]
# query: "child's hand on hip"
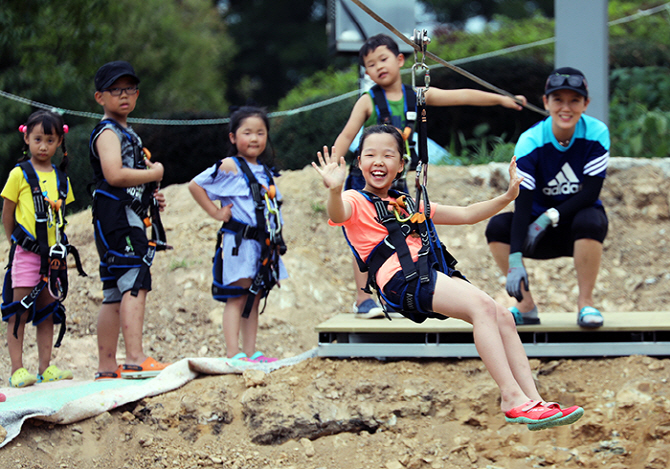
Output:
[[224, 213]]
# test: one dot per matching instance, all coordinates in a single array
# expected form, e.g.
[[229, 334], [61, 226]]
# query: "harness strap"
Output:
[[147, 260], [241, 230], [432, 251], [268, 271], [384, 115], [58, 311], [50, 258], [384, 112], [41, 215]]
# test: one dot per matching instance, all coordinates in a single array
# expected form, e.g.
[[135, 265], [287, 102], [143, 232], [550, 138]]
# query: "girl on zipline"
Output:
[[445, 294]]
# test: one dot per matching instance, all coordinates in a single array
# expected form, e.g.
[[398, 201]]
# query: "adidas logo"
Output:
[[565, 182]]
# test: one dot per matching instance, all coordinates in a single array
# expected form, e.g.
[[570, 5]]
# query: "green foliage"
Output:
[[181, 264], [649, 86], [640, 132], [323, 83], [318, 207], [639, 43], [504, 33], [185, 151], [51, 50], [458, 11], [482, 148], [640, 111], [298, 137], [79, 169], [278, 42]]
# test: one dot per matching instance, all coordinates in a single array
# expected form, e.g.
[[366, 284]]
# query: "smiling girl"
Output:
[[445, 294]]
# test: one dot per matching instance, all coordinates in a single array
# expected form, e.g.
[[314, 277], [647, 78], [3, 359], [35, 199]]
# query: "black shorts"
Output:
[[396, 289], [588, 223], [118, 279]]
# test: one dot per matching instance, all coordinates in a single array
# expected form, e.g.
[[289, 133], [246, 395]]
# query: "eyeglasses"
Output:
[[130, 91], [576, 81]]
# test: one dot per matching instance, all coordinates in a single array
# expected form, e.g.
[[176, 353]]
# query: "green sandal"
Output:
[[53, 373], [21, 378]]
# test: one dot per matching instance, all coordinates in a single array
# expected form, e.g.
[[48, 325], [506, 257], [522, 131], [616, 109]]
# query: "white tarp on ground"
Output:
[[69, 401]]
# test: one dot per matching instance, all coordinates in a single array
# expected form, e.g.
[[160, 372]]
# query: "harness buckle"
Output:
[[58, 251], [246, 232]]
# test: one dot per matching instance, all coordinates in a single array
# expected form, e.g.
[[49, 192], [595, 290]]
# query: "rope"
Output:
[[327, 102], [476, 79], [439, 60], [139, 120]]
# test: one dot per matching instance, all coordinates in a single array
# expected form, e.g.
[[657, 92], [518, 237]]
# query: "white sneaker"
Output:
[[368, 309]]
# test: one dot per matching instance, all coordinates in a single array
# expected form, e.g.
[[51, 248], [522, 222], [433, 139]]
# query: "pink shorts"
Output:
[[25, 268]]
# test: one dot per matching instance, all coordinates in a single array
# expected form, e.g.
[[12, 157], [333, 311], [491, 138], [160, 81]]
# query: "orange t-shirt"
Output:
[[365, 233]]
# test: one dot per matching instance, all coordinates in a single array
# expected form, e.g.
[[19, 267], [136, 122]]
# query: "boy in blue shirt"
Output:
[[383, 61], [563, 160]]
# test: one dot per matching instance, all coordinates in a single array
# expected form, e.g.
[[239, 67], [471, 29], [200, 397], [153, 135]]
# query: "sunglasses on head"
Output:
[[576, 81]]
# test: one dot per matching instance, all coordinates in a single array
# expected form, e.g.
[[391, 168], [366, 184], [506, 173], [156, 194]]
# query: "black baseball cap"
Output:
[[112, 71], [567, 78]]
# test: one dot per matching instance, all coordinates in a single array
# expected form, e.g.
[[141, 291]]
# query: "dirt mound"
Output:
[[326, 413]]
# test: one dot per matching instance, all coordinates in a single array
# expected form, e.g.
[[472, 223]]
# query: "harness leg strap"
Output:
[[147, 260]]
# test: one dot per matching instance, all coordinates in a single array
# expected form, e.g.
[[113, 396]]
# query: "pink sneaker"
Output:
[[532, 412], [258, 357], [568, 416]]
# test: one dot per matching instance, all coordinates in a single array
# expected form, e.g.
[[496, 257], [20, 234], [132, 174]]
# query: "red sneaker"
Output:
[[568, 416], [532, 412]]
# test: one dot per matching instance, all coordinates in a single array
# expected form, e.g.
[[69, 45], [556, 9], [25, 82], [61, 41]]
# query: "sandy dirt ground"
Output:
[[368, 413]]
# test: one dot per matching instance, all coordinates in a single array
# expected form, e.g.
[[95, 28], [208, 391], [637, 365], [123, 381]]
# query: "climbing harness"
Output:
[[267, 232], [406, 128], [404, 220], [53, 264], [145, 206]]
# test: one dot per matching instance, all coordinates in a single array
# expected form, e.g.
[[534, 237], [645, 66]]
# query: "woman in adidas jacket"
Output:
[[563, 160]]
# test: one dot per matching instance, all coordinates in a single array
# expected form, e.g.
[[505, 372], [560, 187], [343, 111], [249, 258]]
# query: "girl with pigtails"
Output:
[[35, 196]]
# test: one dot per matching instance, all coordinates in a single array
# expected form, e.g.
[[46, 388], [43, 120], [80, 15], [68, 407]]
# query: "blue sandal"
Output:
[[521, 320], [589, 311]]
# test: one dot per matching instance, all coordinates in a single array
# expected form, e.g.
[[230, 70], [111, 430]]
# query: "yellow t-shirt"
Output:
[[18, 191]]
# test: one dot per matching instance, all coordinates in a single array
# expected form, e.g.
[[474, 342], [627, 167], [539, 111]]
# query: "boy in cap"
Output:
[[563, 160], [125, 183]]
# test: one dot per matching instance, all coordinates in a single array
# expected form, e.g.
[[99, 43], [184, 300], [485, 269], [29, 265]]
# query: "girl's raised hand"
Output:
[[332, 168], [514, 180]]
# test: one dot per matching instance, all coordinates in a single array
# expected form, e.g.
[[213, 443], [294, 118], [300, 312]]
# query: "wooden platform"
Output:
[[637, 333]]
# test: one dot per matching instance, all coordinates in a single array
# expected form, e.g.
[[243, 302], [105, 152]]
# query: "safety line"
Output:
[[437, 59], [326, 102]]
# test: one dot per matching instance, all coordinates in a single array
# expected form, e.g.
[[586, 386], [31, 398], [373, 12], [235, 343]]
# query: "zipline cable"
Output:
[[335, 99], [439, 60]]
